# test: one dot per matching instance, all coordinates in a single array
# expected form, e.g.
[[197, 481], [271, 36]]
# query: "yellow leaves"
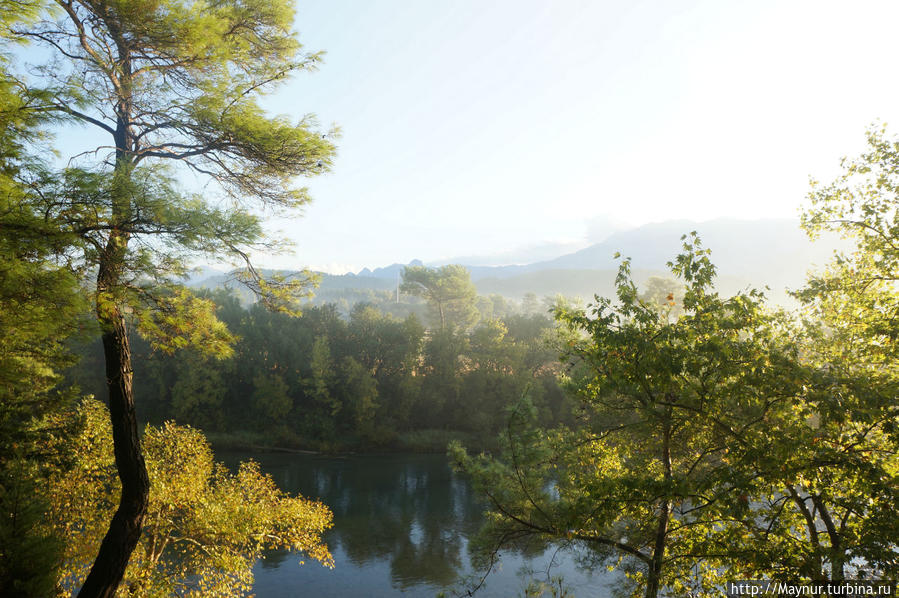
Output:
[[213, 523], [180, 319]]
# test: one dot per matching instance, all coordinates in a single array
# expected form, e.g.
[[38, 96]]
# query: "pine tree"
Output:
[[167, 82]]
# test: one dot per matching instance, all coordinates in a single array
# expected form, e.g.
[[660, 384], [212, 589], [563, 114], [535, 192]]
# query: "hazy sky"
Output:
[[476, 127]]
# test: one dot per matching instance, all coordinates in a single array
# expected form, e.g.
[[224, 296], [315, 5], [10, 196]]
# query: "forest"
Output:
[[678, 436], [367, 380]]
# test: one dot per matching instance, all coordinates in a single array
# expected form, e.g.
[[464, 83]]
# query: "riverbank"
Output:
[[428, 441]]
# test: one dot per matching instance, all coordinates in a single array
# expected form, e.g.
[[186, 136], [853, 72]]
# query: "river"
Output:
[[402, 525]]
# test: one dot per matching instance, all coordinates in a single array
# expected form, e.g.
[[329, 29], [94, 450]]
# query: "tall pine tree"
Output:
[[167, 82]]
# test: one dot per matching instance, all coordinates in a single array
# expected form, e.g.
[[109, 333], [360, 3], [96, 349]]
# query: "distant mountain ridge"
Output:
[[768, 252], [774, 249], [772, 252], [391, 271]]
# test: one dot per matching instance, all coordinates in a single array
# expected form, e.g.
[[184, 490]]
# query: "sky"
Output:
[[479, 127]]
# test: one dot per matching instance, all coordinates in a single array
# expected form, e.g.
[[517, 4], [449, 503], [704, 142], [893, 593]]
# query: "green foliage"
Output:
[[205, 528], [361, 391], [665, 294], [196, 394], [182, 79], [717, 437], [450, 294], [676, 413], [270, 399], [319, 386], [854, 301], [39, 301], [39, 309], [29, 553], [320, 381], [849, 336]]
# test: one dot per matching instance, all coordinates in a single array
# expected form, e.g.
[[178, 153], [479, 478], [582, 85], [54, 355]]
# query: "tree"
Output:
[[319, 387], [270, 400], [389, 349], [529, 304], [173, 81], [39, 301], [450, 294], [205, 527], [441, 382], [360, 397], [196, 395], [385, 345], [850, 330], [666, 294], [39, 309], [674, 413], [855, 297]]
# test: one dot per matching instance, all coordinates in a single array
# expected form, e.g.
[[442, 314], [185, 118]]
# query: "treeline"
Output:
[[329, 382]]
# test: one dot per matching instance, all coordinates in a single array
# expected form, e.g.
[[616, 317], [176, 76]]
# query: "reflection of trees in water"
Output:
[[433, 560], [272, 559], [411, 514], [411, 511]]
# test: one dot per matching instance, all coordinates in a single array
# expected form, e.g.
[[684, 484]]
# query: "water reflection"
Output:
[[401, 525], [414, 512]]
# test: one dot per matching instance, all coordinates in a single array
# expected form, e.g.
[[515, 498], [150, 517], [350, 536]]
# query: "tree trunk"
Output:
[[813, 566], [125, 527], [654, 577], [835, 553]]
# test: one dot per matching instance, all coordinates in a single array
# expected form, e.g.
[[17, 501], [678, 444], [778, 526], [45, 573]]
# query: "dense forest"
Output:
[[681, 436], [366, 380]]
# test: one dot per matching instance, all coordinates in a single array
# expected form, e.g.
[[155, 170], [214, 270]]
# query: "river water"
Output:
[[402, 525]]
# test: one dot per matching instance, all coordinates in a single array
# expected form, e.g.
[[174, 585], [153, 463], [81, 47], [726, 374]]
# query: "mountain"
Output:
[[767, 252], [201, 273], [393, 271], [520, 256], [773, 252], [748, 253], [776, 253]]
